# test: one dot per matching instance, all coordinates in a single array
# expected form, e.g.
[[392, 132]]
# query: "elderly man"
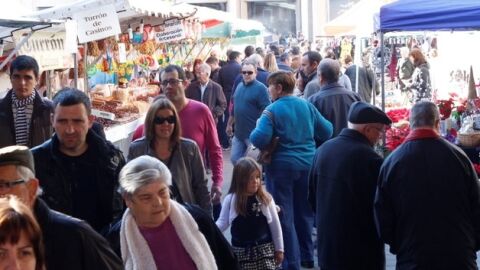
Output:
[[207, 91], [159, 233], [333, 100], [342, 190], [24, 114], [69, 243], [77, 168], [427, 205], [248, 102]]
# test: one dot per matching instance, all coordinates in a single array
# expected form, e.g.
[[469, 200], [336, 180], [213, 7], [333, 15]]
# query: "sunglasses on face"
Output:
[[172, 82], [160, 120], [247, 72]]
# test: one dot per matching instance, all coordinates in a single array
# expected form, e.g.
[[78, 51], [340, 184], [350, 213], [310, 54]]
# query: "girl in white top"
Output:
[[251, 212]]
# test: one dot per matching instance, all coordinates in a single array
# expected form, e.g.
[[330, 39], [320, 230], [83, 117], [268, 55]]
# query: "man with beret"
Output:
[[427, 205], [343, 180], [69, 243]]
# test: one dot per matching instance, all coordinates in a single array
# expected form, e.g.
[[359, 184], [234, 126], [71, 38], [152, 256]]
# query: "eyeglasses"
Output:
[[7, 185], [247, 72], [160, 120], [379, 129], [172, 82]]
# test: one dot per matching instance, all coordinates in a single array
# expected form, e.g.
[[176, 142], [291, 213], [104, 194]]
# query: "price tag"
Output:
[[103, 114]]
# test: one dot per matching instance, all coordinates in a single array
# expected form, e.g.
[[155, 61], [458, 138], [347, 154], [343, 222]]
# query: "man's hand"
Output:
[[229, 130], [278, 257], [216, 193]]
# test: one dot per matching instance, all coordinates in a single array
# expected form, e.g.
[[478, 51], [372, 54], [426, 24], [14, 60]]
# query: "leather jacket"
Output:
[[40, 124]]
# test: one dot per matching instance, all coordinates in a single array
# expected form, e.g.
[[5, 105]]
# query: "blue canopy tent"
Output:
[[432, 15]]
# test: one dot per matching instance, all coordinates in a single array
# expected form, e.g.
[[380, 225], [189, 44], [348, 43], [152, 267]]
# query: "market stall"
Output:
[[10, 26], [460, 114], [122, 52]]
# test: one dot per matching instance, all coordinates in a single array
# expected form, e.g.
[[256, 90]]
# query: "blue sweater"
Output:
[[299, 125], [248, 103]]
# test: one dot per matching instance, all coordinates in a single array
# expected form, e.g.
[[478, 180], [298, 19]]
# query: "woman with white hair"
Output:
[[157, 232], [404, 69]]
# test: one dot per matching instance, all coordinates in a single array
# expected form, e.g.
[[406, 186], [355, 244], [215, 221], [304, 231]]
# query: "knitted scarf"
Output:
[[136, 254], [22, 113]]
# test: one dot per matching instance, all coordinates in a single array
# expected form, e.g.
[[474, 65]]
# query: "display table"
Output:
[[121, 135]]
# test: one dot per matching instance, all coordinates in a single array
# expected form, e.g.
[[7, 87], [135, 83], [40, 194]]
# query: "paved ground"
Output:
[[227, 177]]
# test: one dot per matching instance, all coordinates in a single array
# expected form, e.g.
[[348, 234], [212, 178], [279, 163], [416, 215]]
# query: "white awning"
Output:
[[126, 9], [205, 13], [8, 25]]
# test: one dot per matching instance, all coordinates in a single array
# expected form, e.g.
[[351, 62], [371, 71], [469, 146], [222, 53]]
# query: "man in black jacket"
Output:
[[342, 190], [69, 243], [24, 114], [427, 205], [333, 100], [226, 78], [77, 169]]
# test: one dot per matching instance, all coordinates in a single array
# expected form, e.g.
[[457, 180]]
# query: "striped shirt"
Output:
[[22, 114]]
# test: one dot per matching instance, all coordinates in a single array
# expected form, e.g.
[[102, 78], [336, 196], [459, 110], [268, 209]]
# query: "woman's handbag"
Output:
[[264, 156]]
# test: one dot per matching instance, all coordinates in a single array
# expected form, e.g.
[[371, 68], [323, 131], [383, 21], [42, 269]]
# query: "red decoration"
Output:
[[400, 128], [445, 107]]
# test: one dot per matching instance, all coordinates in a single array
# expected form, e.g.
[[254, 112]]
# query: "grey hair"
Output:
[[356, 126], [256, 60], [329, 69], [205, 68], [142, 171], [26, 174], [424, 114]]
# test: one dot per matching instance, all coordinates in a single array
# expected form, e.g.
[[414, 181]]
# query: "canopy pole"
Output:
[[382, 73], [382, 69], [75, 73], [85, 76], [14, 51]]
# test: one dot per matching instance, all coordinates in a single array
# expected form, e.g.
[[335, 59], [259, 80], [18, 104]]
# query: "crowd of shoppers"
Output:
[[154, 210]]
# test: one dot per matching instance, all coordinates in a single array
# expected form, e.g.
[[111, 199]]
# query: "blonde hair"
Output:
[[270, 63]]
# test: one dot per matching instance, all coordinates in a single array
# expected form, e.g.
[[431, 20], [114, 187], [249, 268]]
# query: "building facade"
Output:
[[283, 16]]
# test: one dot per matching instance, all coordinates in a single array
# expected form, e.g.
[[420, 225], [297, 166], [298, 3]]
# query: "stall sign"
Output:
[[172, 31], [98, 23], [103, 114], [48, 48]]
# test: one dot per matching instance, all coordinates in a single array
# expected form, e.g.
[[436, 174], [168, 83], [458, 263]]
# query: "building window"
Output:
[[277, 16]]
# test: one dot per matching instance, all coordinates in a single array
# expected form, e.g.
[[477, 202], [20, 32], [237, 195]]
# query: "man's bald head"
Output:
[[328, 71]]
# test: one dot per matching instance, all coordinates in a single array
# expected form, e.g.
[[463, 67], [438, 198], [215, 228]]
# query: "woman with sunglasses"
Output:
[[182, 156]]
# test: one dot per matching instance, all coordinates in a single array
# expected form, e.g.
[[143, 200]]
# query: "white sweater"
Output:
[[228, 214]]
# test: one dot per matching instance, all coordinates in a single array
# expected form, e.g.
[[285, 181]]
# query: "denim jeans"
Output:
[[239, 149], [289, 188]]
